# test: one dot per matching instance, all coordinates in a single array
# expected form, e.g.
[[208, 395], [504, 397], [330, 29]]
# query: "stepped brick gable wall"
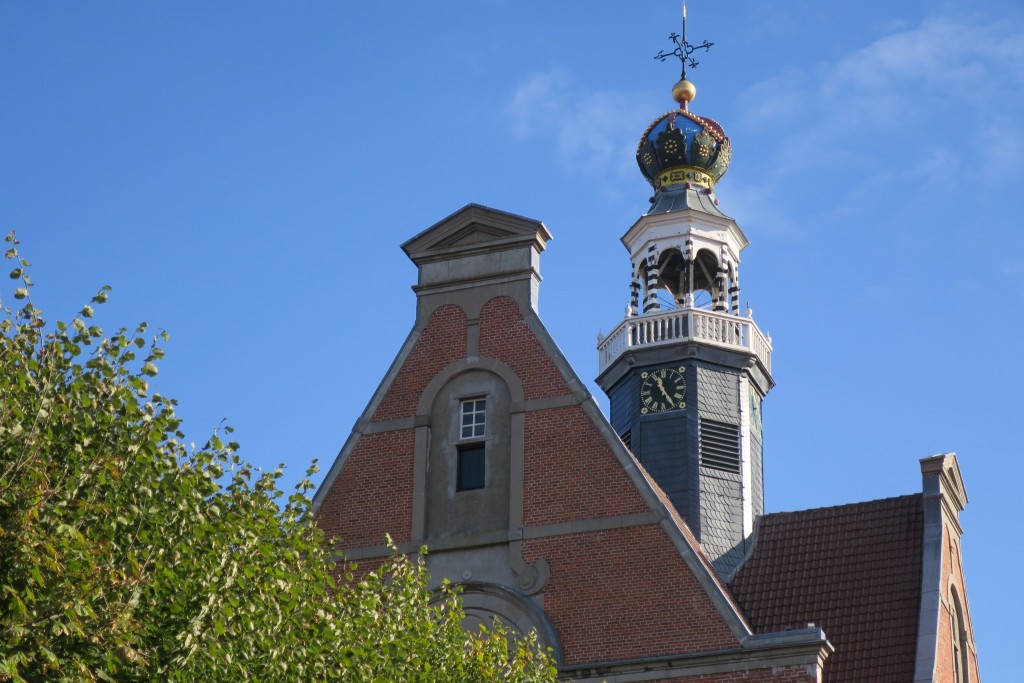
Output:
[[605, 600]]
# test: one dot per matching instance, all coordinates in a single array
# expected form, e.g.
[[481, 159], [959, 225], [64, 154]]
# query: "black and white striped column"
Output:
[[688, 274], [734, 291], [720, 285], [651, 294]]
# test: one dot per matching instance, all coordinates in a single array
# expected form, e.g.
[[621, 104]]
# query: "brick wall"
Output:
[[506, 336], [624, 594], [943, 650], [441, 343], [569, 471], [373, 494], [952, 569]]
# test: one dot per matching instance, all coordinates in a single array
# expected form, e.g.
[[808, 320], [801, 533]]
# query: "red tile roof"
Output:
[[853, 570]]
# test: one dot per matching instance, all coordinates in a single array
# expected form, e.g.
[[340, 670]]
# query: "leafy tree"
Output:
[[127, 556]]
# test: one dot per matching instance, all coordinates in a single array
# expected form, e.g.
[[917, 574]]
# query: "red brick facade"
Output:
[[613, 593], [440, 344], [953, 581], [570, 473], [506, 336], [373, 495], [610, 602]]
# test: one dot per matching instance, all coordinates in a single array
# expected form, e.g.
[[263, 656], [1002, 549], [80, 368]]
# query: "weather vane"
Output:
[[684, 50]]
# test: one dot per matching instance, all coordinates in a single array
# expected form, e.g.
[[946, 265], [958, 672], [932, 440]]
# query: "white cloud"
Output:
[[940, 61], [953, 55], [761, 101], [538, 102], [909, 109], [594, 131]]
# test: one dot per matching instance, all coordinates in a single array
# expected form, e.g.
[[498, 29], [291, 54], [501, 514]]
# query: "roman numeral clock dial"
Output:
[[663, 389]]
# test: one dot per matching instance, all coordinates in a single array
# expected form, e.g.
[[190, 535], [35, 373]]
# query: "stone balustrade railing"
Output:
[[685, 324]]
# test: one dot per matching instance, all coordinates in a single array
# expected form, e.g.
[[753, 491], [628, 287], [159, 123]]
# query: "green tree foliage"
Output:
[[126, 555]]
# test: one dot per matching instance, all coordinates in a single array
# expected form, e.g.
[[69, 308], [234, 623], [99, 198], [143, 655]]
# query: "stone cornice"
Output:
[[803, 648]]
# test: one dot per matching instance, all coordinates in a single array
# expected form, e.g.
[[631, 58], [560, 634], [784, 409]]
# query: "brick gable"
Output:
[[373, 495], [506, 336], [570, 473], [441, 343], [611, 601], [606, 600]]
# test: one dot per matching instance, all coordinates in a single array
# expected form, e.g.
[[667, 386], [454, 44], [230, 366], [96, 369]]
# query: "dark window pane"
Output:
[[470, 468]]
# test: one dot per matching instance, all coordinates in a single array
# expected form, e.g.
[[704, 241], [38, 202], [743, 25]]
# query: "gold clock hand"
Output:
[[664, 391]]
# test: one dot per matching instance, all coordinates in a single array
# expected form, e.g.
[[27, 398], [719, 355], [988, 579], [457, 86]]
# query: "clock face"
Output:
[[755, 410], [663, 389]]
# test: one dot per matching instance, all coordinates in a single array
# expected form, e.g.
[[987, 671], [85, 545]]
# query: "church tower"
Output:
[[686, 371]]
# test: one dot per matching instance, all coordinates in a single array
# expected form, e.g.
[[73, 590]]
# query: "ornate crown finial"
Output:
[[681, 148], [684, 91]]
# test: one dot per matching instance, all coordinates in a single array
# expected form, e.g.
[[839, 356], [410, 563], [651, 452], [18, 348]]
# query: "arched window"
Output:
[[672, 274], [468, 458], [705, 279], [958, 638]]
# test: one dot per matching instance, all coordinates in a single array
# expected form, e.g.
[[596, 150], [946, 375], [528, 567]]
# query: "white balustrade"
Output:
[[685, 324]]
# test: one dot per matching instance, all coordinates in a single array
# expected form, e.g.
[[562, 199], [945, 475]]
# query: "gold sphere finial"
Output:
[[683, 92]]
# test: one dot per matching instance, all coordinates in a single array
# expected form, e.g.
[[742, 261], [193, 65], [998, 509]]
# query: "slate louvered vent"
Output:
[[719, 445], [627, 438]]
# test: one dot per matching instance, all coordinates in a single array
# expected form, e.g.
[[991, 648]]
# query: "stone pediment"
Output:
[[475, 228], [474, 233]]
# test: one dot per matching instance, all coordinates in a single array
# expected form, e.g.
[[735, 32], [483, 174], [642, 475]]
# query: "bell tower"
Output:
[[686, 371]]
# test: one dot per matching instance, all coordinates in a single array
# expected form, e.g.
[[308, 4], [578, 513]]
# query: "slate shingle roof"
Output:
[[853, 570]]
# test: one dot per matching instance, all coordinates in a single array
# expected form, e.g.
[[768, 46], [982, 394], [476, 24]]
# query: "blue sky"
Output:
[[243, 173]]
